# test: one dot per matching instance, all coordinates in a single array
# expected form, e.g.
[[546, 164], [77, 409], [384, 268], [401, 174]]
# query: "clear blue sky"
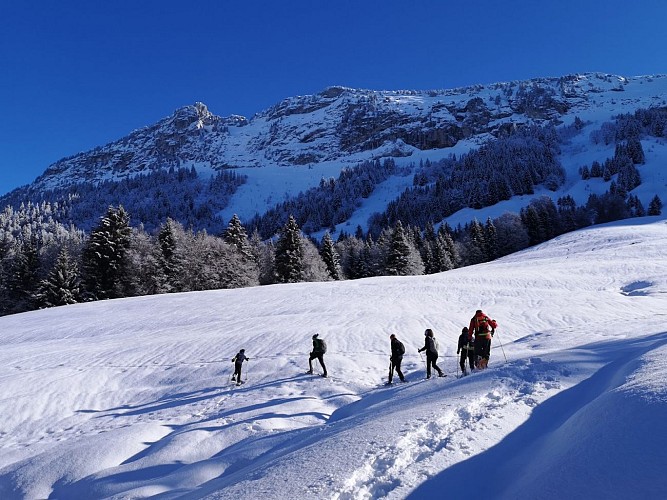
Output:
[[78, 74]]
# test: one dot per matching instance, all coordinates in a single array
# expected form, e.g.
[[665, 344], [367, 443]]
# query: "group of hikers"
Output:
[[474, 346]]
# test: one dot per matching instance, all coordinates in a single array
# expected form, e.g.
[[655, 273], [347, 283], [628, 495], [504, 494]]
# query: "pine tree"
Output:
[[477, 250], [62, 285], [23, 280], [167, 242], [655, 206], [289, 254], [450, 247], [330, 257], [104, 255], [236, 235], [402, 258], [491, 239]]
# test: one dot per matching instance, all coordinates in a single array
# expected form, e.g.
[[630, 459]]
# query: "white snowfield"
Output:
[[132, 398]]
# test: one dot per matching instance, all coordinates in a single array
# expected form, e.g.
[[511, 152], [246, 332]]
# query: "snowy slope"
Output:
[[291, 146], [131, 398]]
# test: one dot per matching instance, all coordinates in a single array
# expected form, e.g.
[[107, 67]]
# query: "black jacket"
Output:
[[429, 345], [397, 349], [463, 342]]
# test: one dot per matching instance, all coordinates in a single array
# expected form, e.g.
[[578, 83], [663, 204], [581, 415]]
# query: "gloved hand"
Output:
[[458, 351]]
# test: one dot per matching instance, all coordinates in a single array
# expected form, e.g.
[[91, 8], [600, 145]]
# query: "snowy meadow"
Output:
[[132, 398]]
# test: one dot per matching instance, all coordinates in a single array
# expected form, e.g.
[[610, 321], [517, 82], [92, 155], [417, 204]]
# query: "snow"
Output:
[[131, 398], [598, 101]]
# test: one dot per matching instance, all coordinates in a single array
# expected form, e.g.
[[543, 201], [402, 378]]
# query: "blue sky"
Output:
[[75, 74]]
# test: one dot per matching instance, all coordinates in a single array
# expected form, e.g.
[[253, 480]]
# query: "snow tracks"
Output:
[[473, 418]]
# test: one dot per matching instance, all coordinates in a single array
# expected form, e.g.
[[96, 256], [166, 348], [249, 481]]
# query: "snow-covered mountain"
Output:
[[131, 398], [293, 145]]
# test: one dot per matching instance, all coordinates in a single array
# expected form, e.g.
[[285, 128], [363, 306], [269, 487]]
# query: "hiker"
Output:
[[483, 328], [467, 350], [431, 348], [238, 364], [319, 348], [397, 351]]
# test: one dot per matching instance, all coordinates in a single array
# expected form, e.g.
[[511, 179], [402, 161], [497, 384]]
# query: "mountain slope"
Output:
[[139, 404], [293, 145]]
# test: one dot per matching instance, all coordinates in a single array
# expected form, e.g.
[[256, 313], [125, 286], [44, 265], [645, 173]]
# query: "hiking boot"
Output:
[[309, 372]]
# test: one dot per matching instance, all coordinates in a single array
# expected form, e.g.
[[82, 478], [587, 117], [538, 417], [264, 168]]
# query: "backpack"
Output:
[[319, 345], [401, 348]]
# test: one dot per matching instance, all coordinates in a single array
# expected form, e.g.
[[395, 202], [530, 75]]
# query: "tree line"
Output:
[[44, 264]]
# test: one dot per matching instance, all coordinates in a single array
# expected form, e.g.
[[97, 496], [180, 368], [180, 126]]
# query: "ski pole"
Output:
[[425, 365], [457, 368], [502, 348]]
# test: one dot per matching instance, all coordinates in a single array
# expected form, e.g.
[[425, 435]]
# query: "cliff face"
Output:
[[340, 122]]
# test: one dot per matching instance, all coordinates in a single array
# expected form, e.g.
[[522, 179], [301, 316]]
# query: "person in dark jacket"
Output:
[[431, 348], [397, 351], [319, 348], [466, 348], [238, 364]]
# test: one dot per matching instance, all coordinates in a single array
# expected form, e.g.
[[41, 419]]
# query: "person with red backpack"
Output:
[[483, 328]]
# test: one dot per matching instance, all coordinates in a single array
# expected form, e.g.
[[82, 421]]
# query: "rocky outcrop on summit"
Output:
[[338, 124]]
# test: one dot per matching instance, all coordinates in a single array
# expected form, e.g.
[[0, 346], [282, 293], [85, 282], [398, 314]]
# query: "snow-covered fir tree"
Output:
[[402, 257], [655, 206], [289, 254], [62, 286], [330, 257], [105, 272]]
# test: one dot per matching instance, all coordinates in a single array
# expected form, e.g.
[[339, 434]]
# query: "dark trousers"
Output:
[[482, 348], [430, 362], [237, 372], [468, 354], [320, 357], [396, 365]]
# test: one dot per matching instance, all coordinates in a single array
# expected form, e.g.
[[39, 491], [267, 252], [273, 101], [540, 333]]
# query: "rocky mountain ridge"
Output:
[[346, 125]]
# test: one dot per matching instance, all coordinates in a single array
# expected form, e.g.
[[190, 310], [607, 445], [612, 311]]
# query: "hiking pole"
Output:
[[457, 367], [502, 349], [425, 365], [246, 370]]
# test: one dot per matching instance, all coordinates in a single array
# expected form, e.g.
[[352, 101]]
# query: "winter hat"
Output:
[[392, 336], [429, 332], [316, 335], [465, 329]]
